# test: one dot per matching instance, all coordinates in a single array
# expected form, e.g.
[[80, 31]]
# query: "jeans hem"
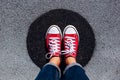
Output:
[[71, 65], [52, 64]]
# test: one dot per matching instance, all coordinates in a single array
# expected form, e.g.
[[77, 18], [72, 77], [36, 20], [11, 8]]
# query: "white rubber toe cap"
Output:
[[70, 29], [53, 29]]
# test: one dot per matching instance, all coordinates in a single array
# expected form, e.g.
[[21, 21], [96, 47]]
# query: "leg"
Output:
[[50, 71], [73, 71]]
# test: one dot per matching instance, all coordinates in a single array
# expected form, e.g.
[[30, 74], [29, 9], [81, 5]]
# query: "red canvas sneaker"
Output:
[[71, 41], [53, 41]]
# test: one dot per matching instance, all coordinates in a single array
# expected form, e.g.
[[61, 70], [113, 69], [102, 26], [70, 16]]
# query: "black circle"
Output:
[[62, 18]]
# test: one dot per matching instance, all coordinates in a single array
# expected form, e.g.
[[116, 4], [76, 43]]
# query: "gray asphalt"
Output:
[[17, 15]]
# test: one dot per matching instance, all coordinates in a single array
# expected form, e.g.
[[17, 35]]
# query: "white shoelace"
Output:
[[53, 47], [69, 45]]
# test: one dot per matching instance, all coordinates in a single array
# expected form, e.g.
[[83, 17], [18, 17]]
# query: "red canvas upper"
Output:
[[53, 44], [71, 42]]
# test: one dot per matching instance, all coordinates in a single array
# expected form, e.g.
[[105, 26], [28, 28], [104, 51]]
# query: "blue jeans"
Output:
[[52, 72]]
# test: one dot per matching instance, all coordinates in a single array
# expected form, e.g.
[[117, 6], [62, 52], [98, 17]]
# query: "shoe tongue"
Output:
[[70, 35], [54, 35]]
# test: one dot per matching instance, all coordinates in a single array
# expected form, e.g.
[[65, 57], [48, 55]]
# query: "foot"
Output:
[[53, 41], [71, 41]]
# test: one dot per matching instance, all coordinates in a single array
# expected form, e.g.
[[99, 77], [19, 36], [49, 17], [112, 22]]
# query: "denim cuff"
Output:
[[52, 64], [71, 65]]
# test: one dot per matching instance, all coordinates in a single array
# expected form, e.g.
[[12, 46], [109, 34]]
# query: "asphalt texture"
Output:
[[17, 15]]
